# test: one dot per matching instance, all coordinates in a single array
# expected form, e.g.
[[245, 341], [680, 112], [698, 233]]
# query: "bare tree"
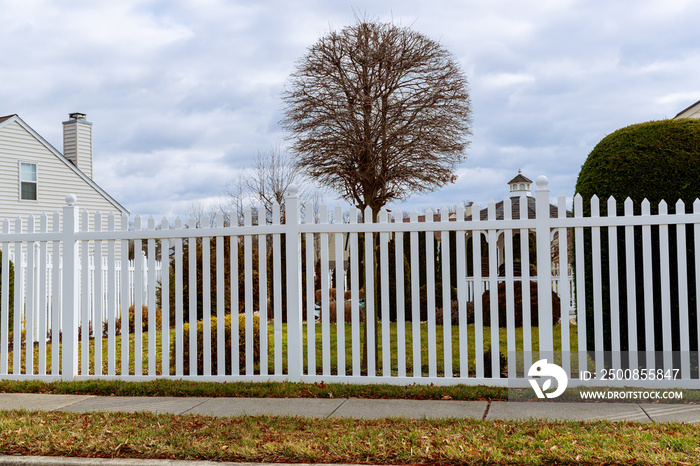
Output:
[[377, 112], [274, 173], [267, 183]]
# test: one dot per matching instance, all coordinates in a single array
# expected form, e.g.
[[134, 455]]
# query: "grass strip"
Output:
[[387, 441], [184, 388]]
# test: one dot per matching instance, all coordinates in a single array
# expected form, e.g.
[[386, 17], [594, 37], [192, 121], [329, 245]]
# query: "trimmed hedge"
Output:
[[657, 160]]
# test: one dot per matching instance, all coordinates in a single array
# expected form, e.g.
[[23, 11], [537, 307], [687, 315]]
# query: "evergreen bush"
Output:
[[657, 161]]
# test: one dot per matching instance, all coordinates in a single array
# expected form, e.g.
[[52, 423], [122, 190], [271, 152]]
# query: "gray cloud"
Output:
[[183, 95]]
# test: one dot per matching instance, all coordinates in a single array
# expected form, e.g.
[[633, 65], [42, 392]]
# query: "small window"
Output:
[[27, 181]]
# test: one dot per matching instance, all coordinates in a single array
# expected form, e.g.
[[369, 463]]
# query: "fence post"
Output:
[[293, 260], [70, 293], [544, 269]]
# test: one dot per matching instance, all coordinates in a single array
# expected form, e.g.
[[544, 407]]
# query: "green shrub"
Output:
[[657, 160], [214, 345]]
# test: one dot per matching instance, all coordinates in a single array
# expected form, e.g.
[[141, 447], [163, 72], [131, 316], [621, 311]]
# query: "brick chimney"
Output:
[[77, 142]]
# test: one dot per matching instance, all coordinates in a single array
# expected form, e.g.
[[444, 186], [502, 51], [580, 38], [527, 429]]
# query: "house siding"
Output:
[[55, 180]]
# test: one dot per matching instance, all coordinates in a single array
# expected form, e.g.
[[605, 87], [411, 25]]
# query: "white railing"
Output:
[[396, 287]]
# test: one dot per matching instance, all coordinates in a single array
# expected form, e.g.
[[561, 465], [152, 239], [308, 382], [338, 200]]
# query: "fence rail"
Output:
[[343, 298]]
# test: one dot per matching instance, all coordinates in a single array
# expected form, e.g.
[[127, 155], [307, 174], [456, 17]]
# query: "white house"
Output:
[[691, 112], [35, 177]]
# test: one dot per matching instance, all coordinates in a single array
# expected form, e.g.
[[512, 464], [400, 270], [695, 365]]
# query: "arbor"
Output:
[[376, 112]]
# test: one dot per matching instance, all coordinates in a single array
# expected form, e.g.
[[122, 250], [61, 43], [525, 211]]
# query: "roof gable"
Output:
[[691, 112], [6, 120]]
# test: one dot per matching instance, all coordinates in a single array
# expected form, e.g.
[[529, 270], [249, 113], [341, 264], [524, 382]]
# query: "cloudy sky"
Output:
[[183, 94]]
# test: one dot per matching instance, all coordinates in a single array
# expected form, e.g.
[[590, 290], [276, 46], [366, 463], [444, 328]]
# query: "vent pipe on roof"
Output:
[[77, 142]]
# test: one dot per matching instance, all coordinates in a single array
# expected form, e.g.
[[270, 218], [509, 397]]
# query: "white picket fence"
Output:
[[378, 341], [47, 270]]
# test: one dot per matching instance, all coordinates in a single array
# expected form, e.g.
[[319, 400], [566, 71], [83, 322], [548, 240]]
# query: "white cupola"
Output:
[[520, 185]]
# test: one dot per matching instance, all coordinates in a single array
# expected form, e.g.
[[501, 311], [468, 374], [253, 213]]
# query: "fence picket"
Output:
[[525, 273], [446, 296], [664, 253], [683, 316], [235, 305], [370, 345], [580, 285], [98, 298], [493, 293], [112, 300], [647, 267], [564, 298], [138, 301], [478, 291], [310, 295], [248, 268], [384, 287], [220, 299], [125, 298], [339, 293], [192, 285], [354, 296], [263, 298], [597, 287], [151, 298], [614, 287], [19, 283], [544, 269], [400, 299], [30, 301], [461, 261], [43, 300], [430, 281], [509, 289], [206, 300], [179, 302], [165, 300], [631, 288], [415, 299], [277, 290], [325, 298]]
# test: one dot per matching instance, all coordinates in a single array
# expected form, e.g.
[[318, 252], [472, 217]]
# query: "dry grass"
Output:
[[395, 441]]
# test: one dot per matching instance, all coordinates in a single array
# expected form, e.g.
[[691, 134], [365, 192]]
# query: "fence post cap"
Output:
[[541, 182], [292, 190], [71, 199]]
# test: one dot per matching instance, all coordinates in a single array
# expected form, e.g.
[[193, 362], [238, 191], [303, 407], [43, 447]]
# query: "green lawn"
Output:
[[333, 340]]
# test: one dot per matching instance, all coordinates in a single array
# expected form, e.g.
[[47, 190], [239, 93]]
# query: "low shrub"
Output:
[[144, 318], [214, 345]]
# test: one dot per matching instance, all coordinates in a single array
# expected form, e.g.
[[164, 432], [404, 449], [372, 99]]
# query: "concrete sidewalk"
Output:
[[357, 408]]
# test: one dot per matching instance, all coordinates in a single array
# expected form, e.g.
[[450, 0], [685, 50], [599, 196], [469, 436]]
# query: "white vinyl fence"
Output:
[[47, 270], [386, 301]]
